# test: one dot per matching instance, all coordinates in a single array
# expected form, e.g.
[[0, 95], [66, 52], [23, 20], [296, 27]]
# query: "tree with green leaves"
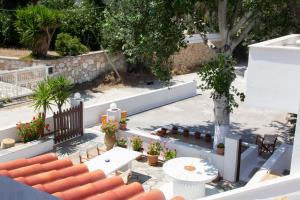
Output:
[[36, 26], [217, 76], [145, 31]]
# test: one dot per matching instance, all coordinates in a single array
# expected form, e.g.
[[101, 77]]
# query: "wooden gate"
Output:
[[68, 124]]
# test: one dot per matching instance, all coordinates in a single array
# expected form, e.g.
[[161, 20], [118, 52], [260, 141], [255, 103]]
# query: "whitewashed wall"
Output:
[[273, 75], [142, 102], [132, 104], [278, 162], [268, 190]]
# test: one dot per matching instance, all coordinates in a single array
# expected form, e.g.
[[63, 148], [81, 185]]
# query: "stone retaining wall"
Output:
[[195, 54], [78, 69]]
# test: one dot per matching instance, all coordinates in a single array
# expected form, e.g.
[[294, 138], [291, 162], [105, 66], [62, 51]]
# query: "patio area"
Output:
[[151, 177]]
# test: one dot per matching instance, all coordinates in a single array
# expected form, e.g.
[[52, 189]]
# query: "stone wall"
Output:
[[194, 55], [78, 69]]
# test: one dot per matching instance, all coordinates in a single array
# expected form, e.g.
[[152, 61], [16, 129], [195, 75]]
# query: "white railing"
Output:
[[21, 82]]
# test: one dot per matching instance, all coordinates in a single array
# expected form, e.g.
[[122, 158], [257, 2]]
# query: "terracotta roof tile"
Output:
[[53, 175], [25, 162], [120, 193], [70, 182], [36, 168], [84, 191], [152, 195], [73, 182]]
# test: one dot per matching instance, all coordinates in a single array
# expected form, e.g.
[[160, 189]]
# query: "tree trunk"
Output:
[[222, 120], [41, 47]]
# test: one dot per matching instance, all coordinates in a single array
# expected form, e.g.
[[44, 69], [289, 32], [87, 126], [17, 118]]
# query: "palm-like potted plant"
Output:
[[137, 145], [60, 89], [110, 129], [220, 148], [154, 149], [42, 99]]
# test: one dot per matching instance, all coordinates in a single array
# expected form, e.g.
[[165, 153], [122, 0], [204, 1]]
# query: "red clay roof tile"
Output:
[[152, 195], [73, 182], [70, 182], [25, 162], [89, 189]]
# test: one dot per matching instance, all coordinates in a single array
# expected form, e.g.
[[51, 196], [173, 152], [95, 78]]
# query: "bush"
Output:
[[8, 34], [65, 44], [84, 22], [36, 26]]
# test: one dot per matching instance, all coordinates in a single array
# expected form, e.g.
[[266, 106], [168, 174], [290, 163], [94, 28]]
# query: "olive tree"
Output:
[[36, 26]]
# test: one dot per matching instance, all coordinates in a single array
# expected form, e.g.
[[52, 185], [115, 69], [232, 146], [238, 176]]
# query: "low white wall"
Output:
[[278, 162], [27, 150], [283, 186], [133, 105], [248, 157], [183, 149], [142, 102]]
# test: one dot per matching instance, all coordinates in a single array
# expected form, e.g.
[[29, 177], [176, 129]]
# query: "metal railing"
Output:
[[21, 82]]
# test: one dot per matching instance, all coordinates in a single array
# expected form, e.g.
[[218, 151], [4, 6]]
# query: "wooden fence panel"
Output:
[[68, 124]]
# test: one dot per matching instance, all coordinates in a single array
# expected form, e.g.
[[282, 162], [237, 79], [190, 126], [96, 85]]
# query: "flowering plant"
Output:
[[154, 148], [32, 130], [136, 143], [110, 128], [169, 154]]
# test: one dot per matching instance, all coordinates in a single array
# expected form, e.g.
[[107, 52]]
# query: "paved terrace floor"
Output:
[[150, 177]]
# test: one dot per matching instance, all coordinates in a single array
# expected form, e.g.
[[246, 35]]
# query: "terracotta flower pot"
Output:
[[123, 127], [220, 151], [186, 132], [152, 160], [162, 132], [197, 135], [141, 156], [208, 138], [174, 130], [109, 141]]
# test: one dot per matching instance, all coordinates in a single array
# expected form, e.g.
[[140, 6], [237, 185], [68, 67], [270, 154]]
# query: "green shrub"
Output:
[[84, 22], [65, 44]]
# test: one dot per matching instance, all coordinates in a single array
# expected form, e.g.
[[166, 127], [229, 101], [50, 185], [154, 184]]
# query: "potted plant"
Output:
[[197, 135], [220, 148], [109, 129], [207, 138], [123, 124], [137, 145], [186, 132], [169, 154], [162, 132], [122, 142], [154, 149], [174, 130]]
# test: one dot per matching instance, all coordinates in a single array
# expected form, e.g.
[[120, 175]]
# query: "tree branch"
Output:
[[222, 17], [246, 18], [242, 36]]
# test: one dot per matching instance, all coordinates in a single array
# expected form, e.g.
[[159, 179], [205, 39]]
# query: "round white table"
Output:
[[189, 175]]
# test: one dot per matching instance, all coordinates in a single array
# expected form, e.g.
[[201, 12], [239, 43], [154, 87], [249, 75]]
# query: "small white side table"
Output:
[[189, 176]]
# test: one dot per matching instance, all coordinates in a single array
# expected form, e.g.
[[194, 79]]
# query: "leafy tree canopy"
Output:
[[144, 30]]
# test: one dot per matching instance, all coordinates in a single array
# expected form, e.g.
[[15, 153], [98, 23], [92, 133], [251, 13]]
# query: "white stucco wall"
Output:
[[273, 75]]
